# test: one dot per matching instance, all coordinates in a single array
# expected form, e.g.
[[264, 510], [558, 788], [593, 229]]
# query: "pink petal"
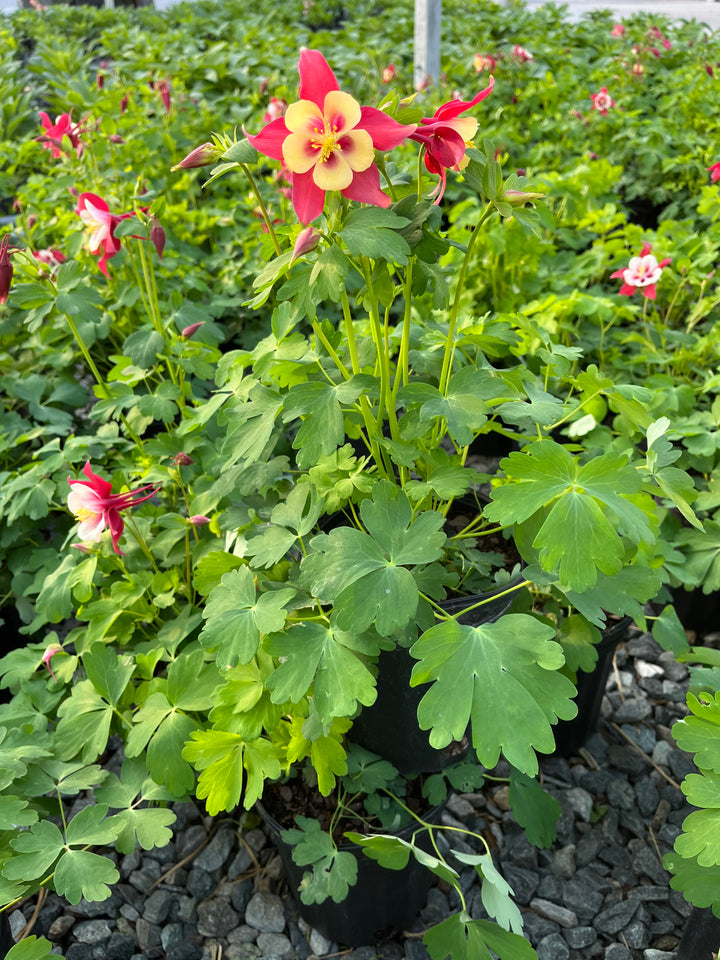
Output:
[[665, 262], [386, 133], [450, 110], [115, 522], [308, 199], [627, 291], [270, 139], [316, 77], [94, 199], [365, 188]]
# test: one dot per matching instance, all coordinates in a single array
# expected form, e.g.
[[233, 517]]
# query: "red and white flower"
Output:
[[276, 108], [642, 273], [521, 54], [54, 134], [328, 141], [95, 214], [93, 503], [602, 101]]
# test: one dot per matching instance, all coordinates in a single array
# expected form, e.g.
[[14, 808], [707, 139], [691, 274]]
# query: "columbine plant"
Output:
[[305, 515]]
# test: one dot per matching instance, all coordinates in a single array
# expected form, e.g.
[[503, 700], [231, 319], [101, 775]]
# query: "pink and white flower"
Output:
[[63, 128], [93, 503], [276, 108], [95, 214], [642, 273], [521, 54], [602, 101]]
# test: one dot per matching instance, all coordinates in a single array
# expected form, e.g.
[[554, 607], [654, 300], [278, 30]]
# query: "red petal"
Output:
[[627, 291], [308, 199], [386, 133], [316, 77], [448, 111], [102, 487], [365, 188], [94, 199], [666, 262], [270, 139], [115, 522], [649, 291], [447, 147], [645, 250]]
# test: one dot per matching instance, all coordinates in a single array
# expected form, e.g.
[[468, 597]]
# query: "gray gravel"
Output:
[[600, 892]]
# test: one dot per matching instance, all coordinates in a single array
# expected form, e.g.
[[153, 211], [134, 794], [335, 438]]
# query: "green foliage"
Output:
[[534, 808], [502, 678], [332, 872]]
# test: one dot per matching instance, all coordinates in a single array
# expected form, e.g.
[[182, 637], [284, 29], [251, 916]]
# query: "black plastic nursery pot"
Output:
[[701, 940], [570, 735], [389, 727], [6, 939], [381, 900], [697, 611]]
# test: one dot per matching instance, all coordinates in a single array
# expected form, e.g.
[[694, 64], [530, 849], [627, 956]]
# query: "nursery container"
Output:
[[380, 900], [701, 940], [570, 735], [389, 727], [697, 611], [6, 939]]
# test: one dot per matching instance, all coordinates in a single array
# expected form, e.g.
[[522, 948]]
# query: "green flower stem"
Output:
[[401, 369], [450, 345], [481, 603], [317, 330], [263, 208], [142, 288], [370, 425], [141, 542], [387, 407], [96, 373], [574, 410]]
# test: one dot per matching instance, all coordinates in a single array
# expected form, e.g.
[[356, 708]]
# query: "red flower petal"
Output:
[[316, 77], [450, 110], [365, 188], [386, 133], [308, 199], [270, 139]]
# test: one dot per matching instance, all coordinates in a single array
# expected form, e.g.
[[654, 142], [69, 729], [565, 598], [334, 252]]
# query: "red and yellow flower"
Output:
[[327, 141]]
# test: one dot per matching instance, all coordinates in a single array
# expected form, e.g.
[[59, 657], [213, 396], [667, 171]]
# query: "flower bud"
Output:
[[48, 655], [6, 268], [518, 197], [182, 460], [201, 156], [189, 331], [306, 241], [157, 236], [198, 520]]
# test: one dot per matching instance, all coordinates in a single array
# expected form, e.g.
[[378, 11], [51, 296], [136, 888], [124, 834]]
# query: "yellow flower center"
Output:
[[82, 514], [326, 141]]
